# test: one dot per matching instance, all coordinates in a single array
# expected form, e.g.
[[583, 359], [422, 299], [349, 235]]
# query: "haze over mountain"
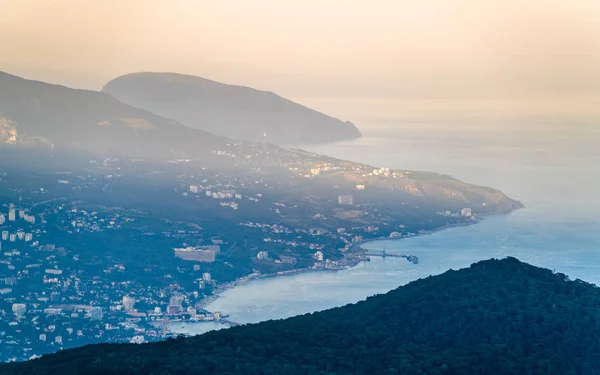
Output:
[[233, 111], [495, 317], [91, 121], [37, 113]]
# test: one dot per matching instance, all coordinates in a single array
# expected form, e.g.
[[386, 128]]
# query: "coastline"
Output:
[[477, 220], [256, 276], [357, 250]]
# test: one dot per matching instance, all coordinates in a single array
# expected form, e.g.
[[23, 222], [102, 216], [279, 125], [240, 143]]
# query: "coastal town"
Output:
[[121, 250], [46, 293]]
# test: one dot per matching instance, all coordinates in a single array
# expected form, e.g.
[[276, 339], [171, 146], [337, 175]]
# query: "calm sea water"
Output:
[[552, 166]]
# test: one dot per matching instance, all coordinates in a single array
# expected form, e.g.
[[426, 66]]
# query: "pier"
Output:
[[382, 253]]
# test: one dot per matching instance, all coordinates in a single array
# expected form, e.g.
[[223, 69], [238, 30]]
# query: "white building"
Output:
[[346, 199], [381, 172], [198, 253], [194, 188], [96, 313], [262, 255], [318, 256], [360, 187], [176, 300], [466, 212], [19, 308], [4, 235], [12, 215], [137, 340], [2, 219], [128, 303], [28, 237], [206, 277]]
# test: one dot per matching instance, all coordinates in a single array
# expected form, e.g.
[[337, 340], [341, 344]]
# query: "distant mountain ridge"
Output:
[[236, 112], [90, 120], [495, 317], [59, 118]]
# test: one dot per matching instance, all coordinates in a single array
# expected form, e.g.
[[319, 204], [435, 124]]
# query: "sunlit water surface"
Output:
[[551, 166]]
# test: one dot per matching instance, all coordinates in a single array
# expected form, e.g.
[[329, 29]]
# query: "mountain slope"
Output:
[[43, 114], [496, 317], [91, 120], [233, 111]]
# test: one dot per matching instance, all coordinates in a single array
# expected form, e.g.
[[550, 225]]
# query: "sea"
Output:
[[549, 162]]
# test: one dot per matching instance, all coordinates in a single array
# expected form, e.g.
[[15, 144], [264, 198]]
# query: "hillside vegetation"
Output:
[[496, 317], [92, 121]]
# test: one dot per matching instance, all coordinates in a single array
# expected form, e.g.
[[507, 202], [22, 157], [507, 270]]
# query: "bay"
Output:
[[549, 164]]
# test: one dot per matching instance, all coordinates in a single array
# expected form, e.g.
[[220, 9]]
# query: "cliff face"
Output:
[[233, 111]]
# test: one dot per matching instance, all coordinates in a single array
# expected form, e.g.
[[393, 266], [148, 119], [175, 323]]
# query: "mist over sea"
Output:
[[549, 163]]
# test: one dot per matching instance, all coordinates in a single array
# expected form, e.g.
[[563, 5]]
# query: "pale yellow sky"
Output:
[[314, 48]]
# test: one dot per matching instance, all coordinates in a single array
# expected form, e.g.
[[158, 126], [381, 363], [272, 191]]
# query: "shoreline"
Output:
[[257, 276], [354, 257], [425, 233], [356, 249]]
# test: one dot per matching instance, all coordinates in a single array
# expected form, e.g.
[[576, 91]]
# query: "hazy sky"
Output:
[[314, 48]]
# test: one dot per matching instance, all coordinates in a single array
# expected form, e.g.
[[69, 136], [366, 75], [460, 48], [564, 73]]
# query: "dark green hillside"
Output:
[[496, 317]]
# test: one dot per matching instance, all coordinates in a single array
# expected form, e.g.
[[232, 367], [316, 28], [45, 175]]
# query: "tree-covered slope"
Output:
[[236, 112], [496, 317], [90, 121]]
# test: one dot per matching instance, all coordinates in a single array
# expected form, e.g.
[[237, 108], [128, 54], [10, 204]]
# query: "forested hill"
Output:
[[496, 317]]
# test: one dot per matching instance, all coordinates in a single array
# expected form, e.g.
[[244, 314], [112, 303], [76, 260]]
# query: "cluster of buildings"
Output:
[[14, 215], [69, 298], [17, 230], [45, 288], [311, 169], [227, 197], [76, 220], [464, 212]]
